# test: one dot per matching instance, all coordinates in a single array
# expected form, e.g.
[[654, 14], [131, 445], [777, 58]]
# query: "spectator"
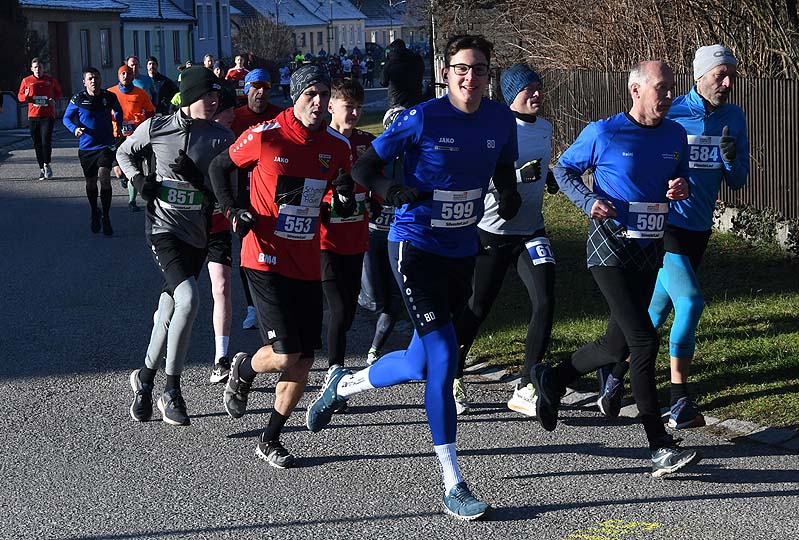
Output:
[[403, 74], [164, 87]]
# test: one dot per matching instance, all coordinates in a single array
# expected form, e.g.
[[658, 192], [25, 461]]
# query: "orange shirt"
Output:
[[136, 108]]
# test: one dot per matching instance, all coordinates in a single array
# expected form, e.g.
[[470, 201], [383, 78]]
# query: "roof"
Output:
[[148, 10], [379, 13], [299, 12], [72, 5], [341, 9]]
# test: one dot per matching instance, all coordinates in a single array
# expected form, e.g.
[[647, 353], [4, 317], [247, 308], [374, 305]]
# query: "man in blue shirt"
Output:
[[639, 161], [89, 116], [451, 146]]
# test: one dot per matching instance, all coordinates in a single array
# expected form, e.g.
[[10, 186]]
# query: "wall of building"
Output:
[[144, 39], [212, 34]]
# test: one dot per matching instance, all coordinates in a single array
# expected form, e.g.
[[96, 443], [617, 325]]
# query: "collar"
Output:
[[124, 89], [529, 118], [296, 128]]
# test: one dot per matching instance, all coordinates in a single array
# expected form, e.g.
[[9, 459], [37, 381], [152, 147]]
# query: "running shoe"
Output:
[[546, 407], [48, 171], [321, 411], [670, 459], [684, 415], [274, 453], [95, 225], [42, 174], [221, 370], [236, 390], [460, 502], [123, 182], [107, 229], [372, 356], [173, 408], [141, 409], [462, 405], [609, 401], [133, 206], [250, 321], [523, 400]]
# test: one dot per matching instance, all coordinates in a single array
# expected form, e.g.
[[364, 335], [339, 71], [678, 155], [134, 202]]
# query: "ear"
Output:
[[444, 73]]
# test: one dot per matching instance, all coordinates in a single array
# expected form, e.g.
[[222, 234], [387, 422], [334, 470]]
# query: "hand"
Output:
[[79, 131], [324, 213], [727, 146], [399, 195], [344, 195], [184, 167], [552, 184], [530, 171], [149, 189], [242, 221], [509, 203], [603, 210], [678, 189], [27, 91], [373, 207]]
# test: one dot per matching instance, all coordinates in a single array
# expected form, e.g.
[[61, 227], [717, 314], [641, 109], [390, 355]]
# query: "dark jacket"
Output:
[[403, 74]]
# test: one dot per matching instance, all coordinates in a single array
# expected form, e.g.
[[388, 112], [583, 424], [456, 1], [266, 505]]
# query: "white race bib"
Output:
[[540, 250], [454, 209], [128, 128], [383, 221], [647, 220], [360, 210], [41, 101], [179, 195], [297, 222], [704, 152]]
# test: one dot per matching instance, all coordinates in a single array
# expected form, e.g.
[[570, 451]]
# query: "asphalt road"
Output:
[[76, 316]]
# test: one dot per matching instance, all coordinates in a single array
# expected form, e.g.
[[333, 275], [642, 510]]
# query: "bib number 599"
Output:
[[457, 210]]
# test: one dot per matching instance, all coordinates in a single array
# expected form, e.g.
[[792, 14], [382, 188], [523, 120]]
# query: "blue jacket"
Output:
[[94, 114], [706, 166]]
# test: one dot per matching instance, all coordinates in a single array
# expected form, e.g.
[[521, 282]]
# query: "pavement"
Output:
[[77, 312]]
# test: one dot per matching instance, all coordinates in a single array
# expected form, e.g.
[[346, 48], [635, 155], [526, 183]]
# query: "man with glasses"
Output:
[[452, 147]]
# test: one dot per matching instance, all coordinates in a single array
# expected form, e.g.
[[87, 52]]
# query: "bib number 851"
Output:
[[457, 210], [179, 196], [297, 224]]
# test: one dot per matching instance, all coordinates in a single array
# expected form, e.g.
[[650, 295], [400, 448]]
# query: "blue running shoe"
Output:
[[609, 401], [321, 411], [684, 415], [460, 502]]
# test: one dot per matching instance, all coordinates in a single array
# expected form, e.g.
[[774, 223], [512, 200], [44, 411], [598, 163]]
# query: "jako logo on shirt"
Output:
[[279, 159], [446, 140], [627, 154]]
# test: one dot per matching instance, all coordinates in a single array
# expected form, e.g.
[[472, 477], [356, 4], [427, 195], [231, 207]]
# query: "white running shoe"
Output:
[[462, 404], [48, 171], [372, 356], [524, 400], [251, 320]]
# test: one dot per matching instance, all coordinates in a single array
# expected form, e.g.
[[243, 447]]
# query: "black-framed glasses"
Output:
[[481, 70]]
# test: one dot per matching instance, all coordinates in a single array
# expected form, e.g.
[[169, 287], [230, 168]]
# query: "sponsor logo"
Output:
[[627, 154], [271, 334], [446, 140], [491, 143], [674, 155], [324, 162], [267, 259], [279, 159]]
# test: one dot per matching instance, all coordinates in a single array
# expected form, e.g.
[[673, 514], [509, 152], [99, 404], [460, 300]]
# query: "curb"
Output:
[[731, 429]]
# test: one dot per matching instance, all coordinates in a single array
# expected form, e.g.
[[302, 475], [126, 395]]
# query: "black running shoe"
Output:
[[548, 396], [173, 408], [274, 453], [237, 390], [141, 409], [107, 229], [221, 370], [95, 226]]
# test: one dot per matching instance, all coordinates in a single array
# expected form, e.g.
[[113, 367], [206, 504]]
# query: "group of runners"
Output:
[[443, 202]]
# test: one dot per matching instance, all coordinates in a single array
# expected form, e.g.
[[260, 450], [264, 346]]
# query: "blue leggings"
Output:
[[432, 357], [678, 286]]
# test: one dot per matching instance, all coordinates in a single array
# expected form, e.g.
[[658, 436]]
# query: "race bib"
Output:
[[239, 92], [453, 209], [179, 195], [704, 152], [540, 250], [646, 220], [297, 222], [360, 210], [382, 222], [41, 101], [128, 128]]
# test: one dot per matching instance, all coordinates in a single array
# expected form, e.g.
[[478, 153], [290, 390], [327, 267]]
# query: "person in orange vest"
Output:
[[41, 92], [136, 108]]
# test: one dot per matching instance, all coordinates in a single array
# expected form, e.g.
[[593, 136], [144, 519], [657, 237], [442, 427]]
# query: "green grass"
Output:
[[372, 121], [747, 355]]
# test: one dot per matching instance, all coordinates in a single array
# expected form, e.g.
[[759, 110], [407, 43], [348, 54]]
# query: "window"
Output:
[[352, 35], [85, 56], [319, 38], [225, 20], [176, 47], [374, 36], [209, 13], [202, 24], [105, 47], [302, 40], [147, 51], [384, 37], [136, 44]]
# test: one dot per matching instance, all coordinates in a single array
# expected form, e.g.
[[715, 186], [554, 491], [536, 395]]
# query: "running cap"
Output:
[[307, 75], [710, 56], [195, 82], [515, 78], [124, 67], [256, 76]]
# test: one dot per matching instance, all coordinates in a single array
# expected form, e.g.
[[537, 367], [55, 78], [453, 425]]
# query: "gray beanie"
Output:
[[710, 56], [307, 75], [515, 78]]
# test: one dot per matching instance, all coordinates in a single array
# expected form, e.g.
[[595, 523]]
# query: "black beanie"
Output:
[[227, 99], [307, 75], [195, 82]]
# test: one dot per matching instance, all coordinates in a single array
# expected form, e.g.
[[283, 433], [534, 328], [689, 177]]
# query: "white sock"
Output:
[[355, 383], [449, 465], [221, 346]]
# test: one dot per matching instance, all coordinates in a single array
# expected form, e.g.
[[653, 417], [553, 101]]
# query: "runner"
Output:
[[136, 108], [452, 146], [640, 161], [236, 74], [89, 117], [142, 80], [295, 158], [178, 203], [41, 92], [165, 88], [521, 241]]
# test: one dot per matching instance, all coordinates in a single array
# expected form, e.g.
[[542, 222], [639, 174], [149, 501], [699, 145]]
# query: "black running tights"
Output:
[[341, 294]]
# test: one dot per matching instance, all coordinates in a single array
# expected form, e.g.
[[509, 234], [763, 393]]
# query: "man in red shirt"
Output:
[[257, 85], [41, 92], [237, 74], [295, 158]]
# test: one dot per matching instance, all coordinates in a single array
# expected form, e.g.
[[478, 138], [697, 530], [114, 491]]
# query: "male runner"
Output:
[[236, 74], [179, 201], [521, 241], [295, 158], [165, 88], [40, 92], [640, 161], [142, 80], [452, 146], [89, 117], [718, 150]]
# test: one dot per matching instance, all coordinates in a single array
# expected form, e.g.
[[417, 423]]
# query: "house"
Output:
[[211, 34], [388, 20]]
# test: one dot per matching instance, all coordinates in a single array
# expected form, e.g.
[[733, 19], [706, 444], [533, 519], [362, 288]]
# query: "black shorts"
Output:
[[289, 312], [433, 287], [92, 160], [176, 259], [220, 248], [342, 268], [692, 244]]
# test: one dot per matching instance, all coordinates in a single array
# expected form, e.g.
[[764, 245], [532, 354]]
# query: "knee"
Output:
[[187, 297], [220, 289], [288, 362]]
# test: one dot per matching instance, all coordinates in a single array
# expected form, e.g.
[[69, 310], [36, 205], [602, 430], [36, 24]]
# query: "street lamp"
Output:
[[391, 6]]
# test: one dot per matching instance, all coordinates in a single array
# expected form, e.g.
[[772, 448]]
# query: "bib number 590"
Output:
[[650, 222]]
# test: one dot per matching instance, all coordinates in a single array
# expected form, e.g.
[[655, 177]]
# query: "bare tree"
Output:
[[266, 39]]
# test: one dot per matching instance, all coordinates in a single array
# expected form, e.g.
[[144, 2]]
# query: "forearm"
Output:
[[571, 183], [504, 177], [220, 172], [368, 172]]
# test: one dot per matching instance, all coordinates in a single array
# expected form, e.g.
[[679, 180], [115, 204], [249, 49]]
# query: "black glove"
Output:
[[324, 212], [147, 185], [242, 221], [509, 203], [374, 207], [184, 167], [552, 184], [530, 171], [399, 195], [727, 146], [344, 195]]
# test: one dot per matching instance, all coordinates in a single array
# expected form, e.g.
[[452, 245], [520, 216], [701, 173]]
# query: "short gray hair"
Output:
[[638, 74]]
